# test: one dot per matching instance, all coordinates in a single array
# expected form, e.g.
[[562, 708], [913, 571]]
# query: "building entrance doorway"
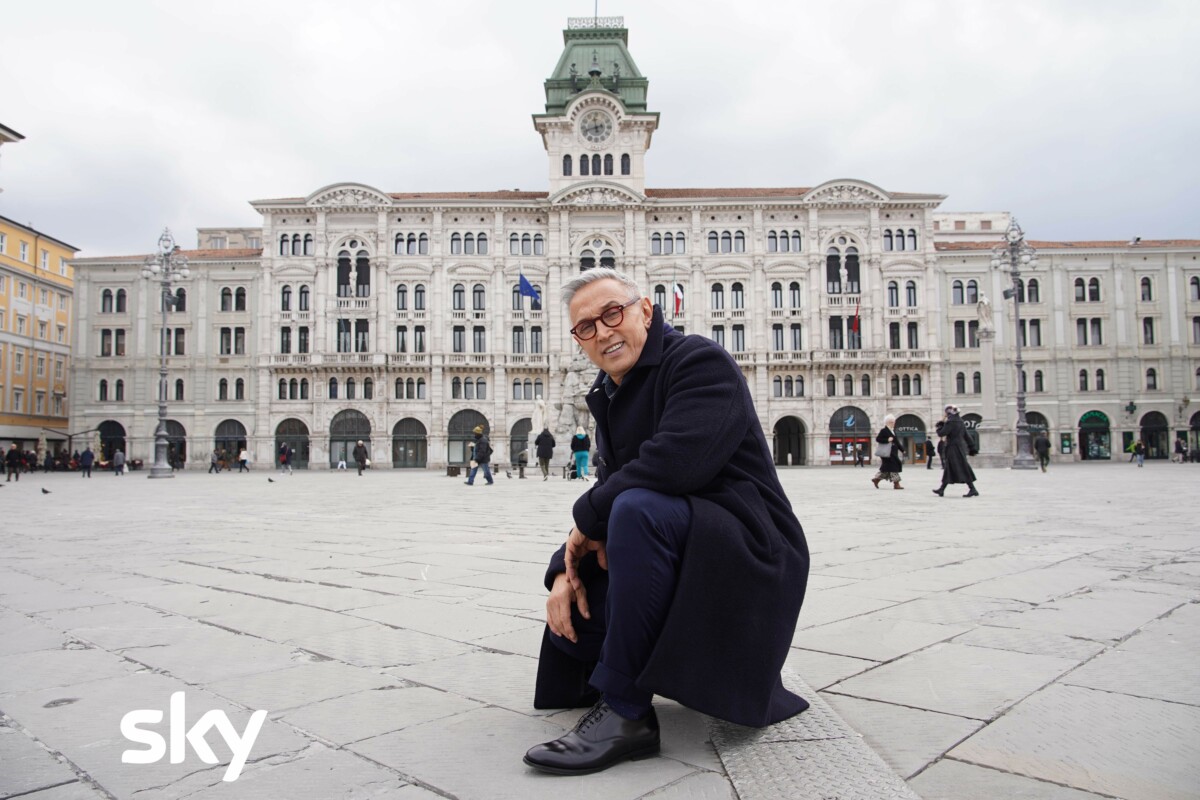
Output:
[[1095, 437], [1156, 436], [910, 430], [344, 432], [788, 443], [850, 428]]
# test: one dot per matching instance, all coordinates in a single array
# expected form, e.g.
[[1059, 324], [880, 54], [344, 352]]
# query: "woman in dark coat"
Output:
[[955, 467], [890, 466]]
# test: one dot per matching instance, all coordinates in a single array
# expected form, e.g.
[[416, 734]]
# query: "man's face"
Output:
[[614, 350]]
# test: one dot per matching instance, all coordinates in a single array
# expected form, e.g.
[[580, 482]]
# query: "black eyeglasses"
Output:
[[612, 317]]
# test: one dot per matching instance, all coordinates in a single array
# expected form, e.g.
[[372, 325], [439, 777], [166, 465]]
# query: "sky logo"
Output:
[[156, 746]]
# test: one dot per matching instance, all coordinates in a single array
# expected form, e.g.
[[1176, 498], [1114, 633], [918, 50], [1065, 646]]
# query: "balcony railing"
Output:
[[788, 357], [528, 359], [408, 359]]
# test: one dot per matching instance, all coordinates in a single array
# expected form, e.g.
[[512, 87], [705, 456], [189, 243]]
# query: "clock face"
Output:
[[596, 126]]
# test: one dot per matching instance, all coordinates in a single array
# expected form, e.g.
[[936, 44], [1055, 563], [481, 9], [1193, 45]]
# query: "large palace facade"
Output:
[[355, 313]]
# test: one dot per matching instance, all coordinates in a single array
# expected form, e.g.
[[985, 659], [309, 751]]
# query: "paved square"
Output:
[[1038, 641]]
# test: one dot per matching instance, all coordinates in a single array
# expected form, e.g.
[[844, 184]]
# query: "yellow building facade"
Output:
[[36, 298]]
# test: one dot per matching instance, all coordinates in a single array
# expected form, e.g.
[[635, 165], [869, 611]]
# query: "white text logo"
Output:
[[156, 747]]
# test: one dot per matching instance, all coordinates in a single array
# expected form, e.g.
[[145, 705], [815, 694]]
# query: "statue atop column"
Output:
[[984, 309], [576, 381]]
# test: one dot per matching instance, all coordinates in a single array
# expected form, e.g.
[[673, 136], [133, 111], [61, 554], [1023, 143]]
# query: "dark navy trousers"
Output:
[[647, 535]]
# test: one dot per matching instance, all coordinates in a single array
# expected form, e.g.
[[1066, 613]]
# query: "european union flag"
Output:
[[527, 290]]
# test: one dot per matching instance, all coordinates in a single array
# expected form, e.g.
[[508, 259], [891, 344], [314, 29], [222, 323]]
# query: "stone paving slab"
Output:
[[363, 715], [1096, 741], [26, 766], [70, 791], [375, 645], [954, 780], [1093, 615], [875, 638]]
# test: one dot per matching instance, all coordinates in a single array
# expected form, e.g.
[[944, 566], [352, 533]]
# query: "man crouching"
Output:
[[684, 572]]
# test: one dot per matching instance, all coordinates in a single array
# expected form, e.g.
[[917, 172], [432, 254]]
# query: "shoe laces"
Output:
[[591, 717]]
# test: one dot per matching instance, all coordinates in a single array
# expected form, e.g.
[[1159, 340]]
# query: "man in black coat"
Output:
[[1041, 446], [685, 568], [481, 454], [955, 467], [360, 456], [545, 451]]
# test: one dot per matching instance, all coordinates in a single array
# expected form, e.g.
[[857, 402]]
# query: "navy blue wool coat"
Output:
[[683, 423]]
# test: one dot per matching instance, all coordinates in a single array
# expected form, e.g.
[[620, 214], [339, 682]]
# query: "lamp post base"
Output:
[[161, 472], [1024, 461]]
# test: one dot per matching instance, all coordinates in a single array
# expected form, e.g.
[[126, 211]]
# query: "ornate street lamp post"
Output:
[[164, 266], [1012, 256]]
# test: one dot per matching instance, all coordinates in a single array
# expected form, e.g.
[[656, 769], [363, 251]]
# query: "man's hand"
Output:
[[568, 589]]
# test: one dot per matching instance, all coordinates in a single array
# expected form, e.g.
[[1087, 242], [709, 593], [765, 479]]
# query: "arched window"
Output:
[[179, 389], [282, 393], [293, 389], [528, 387], [789, 388], [468, 389], [848, 385], [830, 386], [285, 298], [906, 384], [1147, 290], [399, 388], [1021, 290], [458, 296], [910, 294], [833, 274], [713, 242], [368, 389], [181, 299], [608, 164], [539, 245], [121, 301], [308, 244], [656, 245], [587, 260], [456, 244], [852, 271], [866, 385], [1151, 379], [916, 384], [887, 241], [1194, 287], [772, 242], [912, 239], [1080, 290], [956, 293], [777, 295], [977, 383], [402, 297], [304, 295], [1083, 380], [1094, 290], [717, 295], [566, 169], [283, 245], [726, 242], [478, 297], [737, 296], [1099, 380], [1034, 296], [1039, 381], [960, 383], [480, 389], [296, 245], [596, 164], [799, 387], [514, 245], [526, 245], [796, 240], [516, 389], [333, 389], [106, 301], [739, 242], [794, 295], [584, 165], [227, 299], [349, 388], [239, 300], [222, 389], [777, 386], [419, 297], [103, 395], [398, 245], [660, 296], [895, 386], [626, 164], [469, 244], [481, 244], [893, 294], [972, 293]]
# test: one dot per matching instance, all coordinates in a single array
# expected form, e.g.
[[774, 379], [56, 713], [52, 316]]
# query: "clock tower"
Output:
[[596, 129]]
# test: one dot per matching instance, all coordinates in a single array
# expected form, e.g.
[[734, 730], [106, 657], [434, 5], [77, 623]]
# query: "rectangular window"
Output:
[[836, 337], [105, 343], [40, 403], [458, 337], [419, 339], [960, 334], [479, 335], [44, 297], [21, 289], [62, 331], [912, 336], [239, 341], [401, 339], [739, 338], [894, 335], [1035, 333], [45, 260], [960, 225], [285, 340], [985, 225], [119, 342], [41, 366], [1081, 332], [18, 400], [1148, 330], [58, 406], [777, 337], [20, 326], [343, 335], [535, 339], [19, 362], [58, 369], [226, 343], [718, 334], [62, 266], [25, 253], [973, 333], [62, 302], [303, 343], [796, 338], [42, 330], [362, 336], [1097, 338], [3, 246], [518, 340]]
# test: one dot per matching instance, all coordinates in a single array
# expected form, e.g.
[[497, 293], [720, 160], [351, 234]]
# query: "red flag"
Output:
[[854, 324], [678, 298]]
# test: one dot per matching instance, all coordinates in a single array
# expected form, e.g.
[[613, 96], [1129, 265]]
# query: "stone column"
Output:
[[993, 436]]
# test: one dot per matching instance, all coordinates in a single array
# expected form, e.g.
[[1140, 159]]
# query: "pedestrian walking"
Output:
[[1041, 446], [545, 451], [1132, 450], [860, 454], [957, 446], [481, 456], [891, 452], [119, 462], [12, 463], [1139, 452], [581, 446], [1180, 452], [214, 462], [243, 458], [285, 458], [85, 463], [360, 456], [522, 463]]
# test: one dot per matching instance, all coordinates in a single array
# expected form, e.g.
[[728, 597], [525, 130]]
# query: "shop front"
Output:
[[910, 430], [1156, 435], [1095, 437], [850, 428]]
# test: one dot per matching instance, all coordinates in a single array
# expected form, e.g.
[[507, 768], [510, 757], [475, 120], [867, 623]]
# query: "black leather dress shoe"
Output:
[[601, 738]]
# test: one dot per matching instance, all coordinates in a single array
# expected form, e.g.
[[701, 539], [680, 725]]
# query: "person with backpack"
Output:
[[545, 451], [581, 447], [481, 456]]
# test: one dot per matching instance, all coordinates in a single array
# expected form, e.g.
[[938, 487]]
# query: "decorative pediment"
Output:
[[846, 193], [597, 194], [348, 196]]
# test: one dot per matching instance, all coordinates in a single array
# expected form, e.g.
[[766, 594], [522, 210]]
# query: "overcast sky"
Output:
[[1080, 116]]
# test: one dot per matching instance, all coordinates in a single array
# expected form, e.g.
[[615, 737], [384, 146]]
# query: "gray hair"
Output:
[[598, 274], [889, 419]]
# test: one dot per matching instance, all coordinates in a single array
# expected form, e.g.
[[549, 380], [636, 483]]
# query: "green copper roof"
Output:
[[618, 73]]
